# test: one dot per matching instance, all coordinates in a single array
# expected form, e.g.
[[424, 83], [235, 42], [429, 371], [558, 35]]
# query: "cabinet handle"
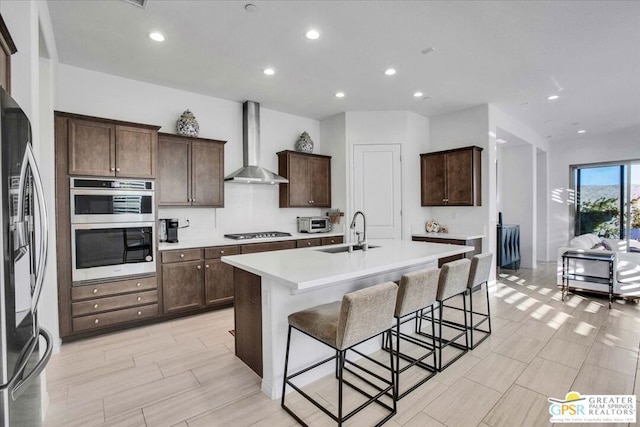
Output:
[[332, 241], [181, 255], [139, 313], [95, 305], [199, 267], [308, 243], [206, 266], [311, 201], [221, 252], [139, 298], [193, 200], [138, 285], [96, 321], [117, 169], [95, 290], [112, 169]]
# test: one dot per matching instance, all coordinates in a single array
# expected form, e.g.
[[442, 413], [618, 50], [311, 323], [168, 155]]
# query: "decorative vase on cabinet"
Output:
[[304, 144], [187, 125]]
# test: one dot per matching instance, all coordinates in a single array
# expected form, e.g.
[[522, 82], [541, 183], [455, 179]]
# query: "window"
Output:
[[607, 200]]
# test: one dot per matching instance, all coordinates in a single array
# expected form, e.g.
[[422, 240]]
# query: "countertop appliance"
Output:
[[257, 235], [24, 238], [169, 230], [313, 224], [112, 228]]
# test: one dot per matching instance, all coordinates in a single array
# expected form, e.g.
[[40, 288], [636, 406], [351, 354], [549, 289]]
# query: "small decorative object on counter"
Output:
[[444, 228], [432, 227], [304, 144], [334, 215], [187, 124]]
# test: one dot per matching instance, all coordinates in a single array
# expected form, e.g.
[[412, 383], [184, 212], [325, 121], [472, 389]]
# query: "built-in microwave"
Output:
[[313, 224], [112, 228]]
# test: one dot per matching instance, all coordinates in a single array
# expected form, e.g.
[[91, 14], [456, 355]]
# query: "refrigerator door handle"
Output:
[[29, 159], [23, 384]]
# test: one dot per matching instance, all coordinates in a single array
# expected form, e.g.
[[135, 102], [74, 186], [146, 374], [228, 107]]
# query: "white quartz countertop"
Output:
[[453, 236], [310, 268], [223, 241]]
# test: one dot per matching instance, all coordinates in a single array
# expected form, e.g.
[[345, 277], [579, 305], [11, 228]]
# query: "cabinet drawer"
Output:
[[110, 318], [185, 255], [266, 247], [306, 243], [100, 305], [113, 288], [332, 240], [219, 251]]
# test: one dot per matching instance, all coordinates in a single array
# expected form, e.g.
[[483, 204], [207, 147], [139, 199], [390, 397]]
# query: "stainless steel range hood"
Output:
[[251, 172]]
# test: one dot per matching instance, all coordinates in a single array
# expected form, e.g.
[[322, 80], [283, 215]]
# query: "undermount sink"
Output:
[[341, 249]]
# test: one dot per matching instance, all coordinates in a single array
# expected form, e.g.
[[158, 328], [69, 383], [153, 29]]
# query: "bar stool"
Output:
[[362, 315], [416, 291], [452, 282], [478, 276]]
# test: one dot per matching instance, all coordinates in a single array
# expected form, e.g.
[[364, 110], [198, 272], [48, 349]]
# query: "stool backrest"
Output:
[[365, 313], [480, 269], [417, 290], [454, 277]]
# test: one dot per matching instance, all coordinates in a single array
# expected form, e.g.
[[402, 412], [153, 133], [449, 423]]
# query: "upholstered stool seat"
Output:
[[416, 292], [478, 276], [452, 282], [362, 315]]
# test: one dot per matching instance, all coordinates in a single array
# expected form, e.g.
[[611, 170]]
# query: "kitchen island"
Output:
[[269, 286]]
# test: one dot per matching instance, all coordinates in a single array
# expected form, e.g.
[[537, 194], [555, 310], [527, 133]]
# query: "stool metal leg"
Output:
[[286, 365]]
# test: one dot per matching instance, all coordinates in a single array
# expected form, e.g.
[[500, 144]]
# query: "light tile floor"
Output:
[[184, 373]]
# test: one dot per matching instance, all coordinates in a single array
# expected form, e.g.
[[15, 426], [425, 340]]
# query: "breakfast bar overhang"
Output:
[[271, 285]]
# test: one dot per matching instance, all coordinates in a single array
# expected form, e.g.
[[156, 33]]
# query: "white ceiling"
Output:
[[509, 53]]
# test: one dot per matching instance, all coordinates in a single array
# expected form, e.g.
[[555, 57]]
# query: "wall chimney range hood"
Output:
[[251, 172]]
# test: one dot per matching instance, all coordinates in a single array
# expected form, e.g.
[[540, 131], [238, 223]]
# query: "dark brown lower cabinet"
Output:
[[248, 318], [218, 282], [476, 243], [182, 286]]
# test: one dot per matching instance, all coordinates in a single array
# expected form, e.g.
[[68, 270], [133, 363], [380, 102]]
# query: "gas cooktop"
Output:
[[258, 235]]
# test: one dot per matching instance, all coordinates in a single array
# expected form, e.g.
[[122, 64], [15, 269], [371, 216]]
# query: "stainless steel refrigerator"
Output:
[[23, 237]]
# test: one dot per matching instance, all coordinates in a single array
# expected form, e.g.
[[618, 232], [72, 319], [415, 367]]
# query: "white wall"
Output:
[[333, 136], [518, 188], [584, 149], [542, 212], [247, 207]]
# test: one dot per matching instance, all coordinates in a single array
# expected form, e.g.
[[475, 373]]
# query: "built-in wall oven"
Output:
[[112, 228]]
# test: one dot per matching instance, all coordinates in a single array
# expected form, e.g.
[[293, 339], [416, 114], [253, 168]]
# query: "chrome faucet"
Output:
[[361, 242]]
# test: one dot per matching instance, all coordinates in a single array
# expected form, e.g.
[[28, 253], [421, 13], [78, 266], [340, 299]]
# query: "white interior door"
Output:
[[377, 189]]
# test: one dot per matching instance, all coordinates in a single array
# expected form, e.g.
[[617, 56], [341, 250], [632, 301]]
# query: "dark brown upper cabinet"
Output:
[[190, 171], [7, 48], [104, 148], [451, 177], [309, 178]]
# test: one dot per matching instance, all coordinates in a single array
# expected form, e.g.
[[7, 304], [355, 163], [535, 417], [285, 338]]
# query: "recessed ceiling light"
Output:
[[582, 131], [339, 94], [552, 97], [156, 36], [418, 94], [250, 7], [269, 71], [501, 141], [312, 34], [390, 71]]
